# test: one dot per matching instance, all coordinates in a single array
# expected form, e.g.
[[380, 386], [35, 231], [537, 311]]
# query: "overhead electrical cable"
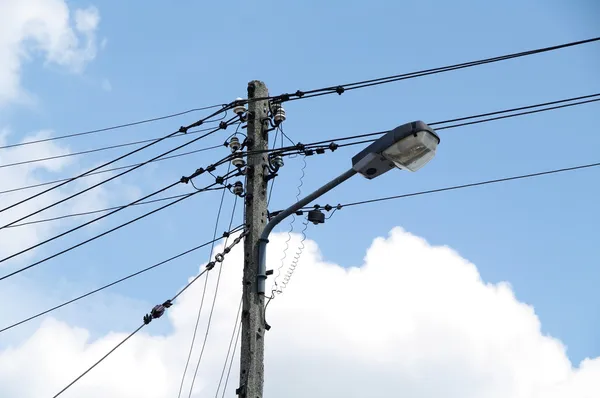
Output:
[[223, 125], [118, 209], [212, 309], [119, 126], [319, 144], [111, 169], [157, 311], [86, 213], [454, 187], [105, 232], [231, 345], [340, 89], [106, 148], [201, 306], [123, 279]]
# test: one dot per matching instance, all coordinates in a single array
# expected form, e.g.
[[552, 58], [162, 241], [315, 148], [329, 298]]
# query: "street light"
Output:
[[407, 147]]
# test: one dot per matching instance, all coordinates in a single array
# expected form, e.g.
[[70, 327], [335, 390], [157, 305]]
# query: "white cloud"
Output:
[[32, 27], [414, 320]]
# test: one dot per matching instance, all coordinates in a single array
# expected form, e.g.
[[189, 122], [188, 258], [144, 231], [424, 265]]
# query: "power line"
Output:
[[119, 126], [187, 362], [123, 279], [233, 334], [101, 359], [102, 234], [521, 108], [106, 148], [235, 344], [111, 169], [212, 309], [118, 209], [455, 187], [160, 309], [312, 146], [223, 125], [87, 223], [85, 213], [517, 114], [340, 89], [319, 144]]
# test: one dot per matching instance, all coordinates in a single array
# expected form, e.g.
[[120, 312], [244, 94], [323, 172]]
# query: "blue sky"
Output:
[[539, 235]]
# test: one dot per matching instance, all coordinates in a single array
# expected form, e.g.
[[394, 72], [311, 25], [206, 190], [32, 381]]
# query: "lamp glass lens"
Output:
[[412, 152]]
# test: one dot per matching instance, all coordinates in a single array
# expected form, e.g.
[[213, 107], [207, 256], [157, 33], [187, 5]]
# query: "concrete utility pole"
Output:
[[253, 321]]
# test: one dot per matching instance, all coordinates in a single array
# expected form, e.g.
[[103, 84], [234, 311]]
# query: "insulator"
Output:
[[239, 109], [278, 114], [238, 162], [277, 161], [238, 188], [316, 216], [234, 144]]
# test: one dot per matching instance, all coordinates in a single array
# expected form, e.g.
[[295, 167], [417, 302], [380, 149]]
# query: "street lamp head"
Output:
[[408, 147]]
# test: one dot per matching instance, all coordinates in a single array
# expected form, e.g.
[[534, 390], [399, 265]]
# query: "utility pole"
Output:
[[253, 321]]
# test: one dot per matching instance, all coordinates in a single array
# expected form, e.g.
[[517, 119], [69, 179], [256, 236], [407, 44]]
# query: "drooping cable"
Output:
[[105, 148], [212, 308], [43, 260], [41, 184], [119, 126], [223, 125], [457, 187], [158, 310], [340, 89], [123, 279], [319, 144], [86, 213], [235, 344], [192, 343], [231, 343], [118, 209], [101, 359], [302, 148]]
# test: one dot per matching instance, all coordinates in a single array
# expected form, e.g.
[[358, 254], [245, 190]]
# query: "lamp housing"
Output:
[[407, 147]]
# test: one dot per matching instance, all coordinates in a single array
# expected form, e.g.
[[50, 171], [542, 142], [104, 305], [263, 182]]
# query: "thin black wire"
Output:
[[319, 143], [101, 182], [475, 184], [101, 234], [187, 362], [118, 209], [85, 213], [232, 358], [100, 360], [426, 72], [138, 329], [106, 148], [88, 222], [517, 114], [112, 169], [233, 334], [212, 308], [521, 108], [133, 333], [328, 141], [116, 282], [120, 126]]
